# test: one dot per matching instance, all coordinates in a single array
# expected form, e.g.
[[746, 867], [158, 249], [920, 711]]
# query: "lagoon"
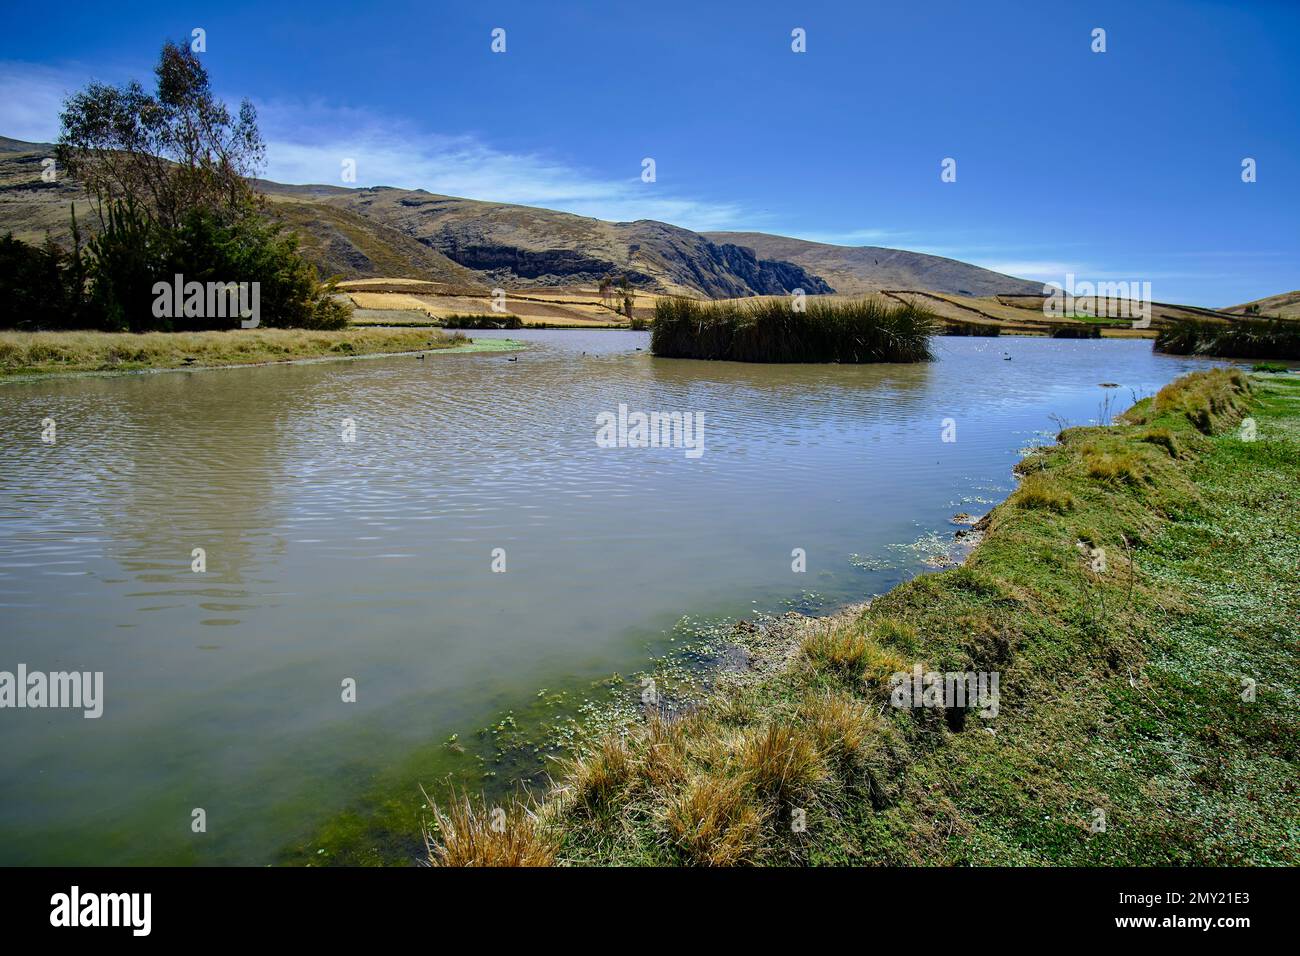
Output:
[[473, 551]]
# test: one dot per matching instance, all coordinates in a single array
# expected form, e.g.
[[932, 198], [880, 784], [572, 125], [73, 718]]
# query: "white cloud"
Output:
[[31, 98], [307, 142], [1042, 270], [854, 237], [310, 144]]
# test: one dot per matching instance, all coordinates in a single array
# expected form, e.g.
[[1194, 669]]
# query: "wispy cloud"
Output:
[[854, 237], [31, 98], [1042, 270], [308, 143]]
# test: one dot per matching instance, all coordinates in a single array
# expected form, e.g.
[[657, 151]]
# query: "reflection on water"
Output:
[[372, 559]]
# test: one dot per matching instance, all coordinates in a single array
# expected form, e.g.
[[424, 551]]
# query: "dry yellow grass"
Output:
[[574, 307], [714, 821], [51, 352], [839, 724], [466, 835], [362, 283], [593, 778], [388, 300], [781, 762]]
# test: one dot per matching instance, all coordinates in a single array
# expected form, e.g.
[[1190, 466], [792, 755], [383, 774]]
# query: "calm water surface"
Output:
[[372, 559]]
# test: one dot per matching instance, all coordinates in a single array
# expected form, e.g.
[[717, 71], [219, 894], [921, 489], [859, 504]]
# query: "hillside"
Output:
[[1285, 305], [855, 270], [474, 245], [524, 246]]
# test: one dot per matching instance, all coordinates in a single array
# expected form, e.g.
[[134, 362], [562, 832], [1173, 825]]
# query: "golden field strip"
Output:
[[46, 353], [404, 301]]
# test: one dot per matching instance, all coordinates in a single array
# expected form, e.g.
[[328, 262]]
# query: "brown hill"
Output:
[[1284, 305], [474, 245], [856, 270]]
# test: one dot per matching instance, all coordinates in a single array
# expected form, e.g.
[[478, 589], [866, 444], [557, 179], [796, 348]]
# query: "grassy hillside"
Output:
[[1285, 305], [366, 232], [340, 242], [1147, 712]]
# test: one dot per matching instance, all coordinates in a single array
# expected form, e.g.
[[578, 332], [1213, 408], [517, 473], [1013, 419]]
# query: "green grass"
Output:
[[1123, 685], [771, 330], [42, 353], [1244, 338]]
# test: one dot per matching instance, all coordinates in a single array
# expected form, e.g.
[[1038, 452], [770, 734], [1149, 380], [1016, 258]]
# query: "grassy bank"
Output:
[[41, 353], [771, 330], [1244, 338], [1137, 594]]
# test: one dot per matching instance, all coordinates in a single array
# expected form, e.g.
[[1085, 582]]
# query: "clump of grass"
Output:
[[1242, 338], [469, 834], [661, 753], [840, 725], [714, 821], [781, 762], [1123, 465], [1040, 493], [731, 708], [1163, 438], [842, 649], [1272, 367], [1212, 400], [595, 777], [892, 632], [846, 650], [771, 330]]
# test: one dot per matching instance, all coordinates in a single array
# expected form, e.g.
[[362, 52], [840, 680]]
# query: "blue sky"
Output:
[[1117, 165]]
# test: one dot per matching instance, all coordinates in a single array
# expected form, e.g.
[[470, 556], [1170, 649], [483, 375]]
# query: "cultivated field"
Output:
[[413, 301]]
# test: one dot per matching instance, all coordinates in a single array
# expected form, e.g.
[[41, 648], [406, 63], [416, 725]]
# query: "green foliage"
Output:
[[134, 252], [169, 152], [39, 287], [1245, 338], [169, 171], [771, 330]]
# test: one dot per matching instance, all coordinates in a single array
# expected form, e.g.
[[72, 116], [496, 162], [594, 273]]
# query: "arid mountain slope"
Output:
[[854, 270], [475, 245], [1285, 305], [524, 246]]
